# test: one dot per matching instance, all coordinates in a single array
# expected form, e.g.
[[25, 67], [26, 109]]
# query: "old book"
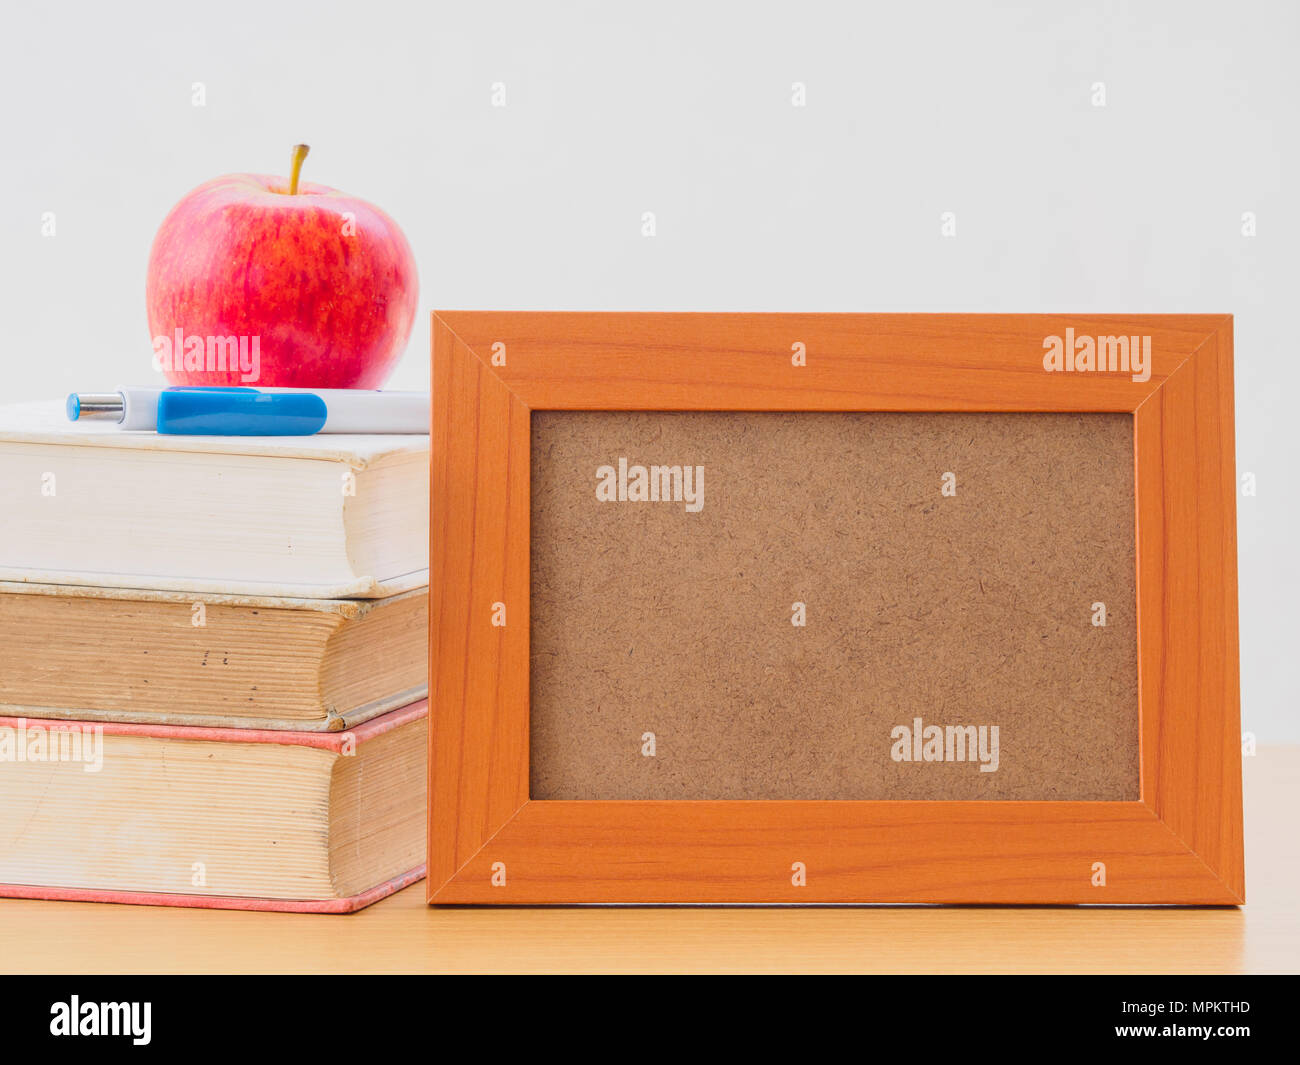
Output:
[[224, 818], [327, 516], [114, 654]]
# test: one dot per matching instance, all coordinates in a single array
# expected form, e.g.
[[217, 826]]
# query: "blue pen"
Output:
[[254, 411]]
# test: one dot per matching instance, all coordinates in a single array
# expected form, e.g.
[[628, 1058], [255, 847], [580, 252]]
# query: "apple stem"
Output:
[[299, 154]]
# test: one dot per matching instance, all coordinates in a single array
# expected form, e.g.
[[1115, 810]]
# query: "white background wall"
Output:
[[684, 109]]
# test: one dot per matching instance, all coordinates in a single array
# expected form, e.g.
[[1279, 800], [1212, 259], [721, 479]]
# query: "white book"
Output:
[[326, 516]]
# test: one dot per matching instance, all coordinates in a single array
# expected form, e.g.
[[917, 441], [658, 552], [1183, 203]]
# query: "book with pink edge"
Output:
[[216, 818]]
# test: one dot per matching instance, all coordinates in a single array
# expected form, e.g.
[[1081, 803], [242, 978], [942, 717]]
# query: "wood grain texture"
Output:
[[478, 687], [1180, 844], [879, 362], [1187, 605], [733, 852]]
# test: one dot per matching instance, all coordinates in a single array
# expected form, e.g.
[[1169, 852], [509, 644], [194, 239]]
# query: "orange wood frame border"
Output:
[[1181, 842]]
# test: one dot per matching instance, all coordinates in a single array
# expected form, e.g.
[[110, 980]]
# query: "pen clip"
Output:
[[230, 411]]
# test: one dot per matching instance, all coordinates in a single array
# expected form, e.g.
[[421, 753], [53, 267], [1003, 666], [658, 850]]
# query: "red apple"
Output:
[[312, 288]]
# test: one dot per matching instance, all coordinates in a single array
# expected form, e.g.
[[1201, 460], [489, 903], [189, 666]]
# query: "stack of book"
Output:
[[213, 665]]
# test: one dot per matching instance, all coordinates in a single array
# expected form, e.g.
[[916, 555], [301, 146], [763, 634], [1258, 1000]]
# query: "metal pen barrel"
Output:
[[99, 406]]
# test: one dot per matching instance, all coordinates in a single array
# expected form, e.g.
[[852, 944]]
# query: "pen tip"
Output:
[[74, 406]]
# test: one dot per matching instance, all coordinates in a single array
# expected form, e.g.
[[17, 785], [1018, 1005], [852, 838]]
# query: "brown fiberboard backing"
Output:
[[968, 609]]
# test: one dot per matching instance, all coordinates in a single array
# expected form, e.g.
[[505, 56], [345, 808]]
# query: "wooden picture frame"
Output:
[[1180, 843]]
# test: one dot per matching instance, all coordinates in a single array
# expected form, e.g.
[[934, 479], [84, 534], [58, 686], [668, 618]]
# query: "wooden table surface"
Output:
[[402, 934]]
